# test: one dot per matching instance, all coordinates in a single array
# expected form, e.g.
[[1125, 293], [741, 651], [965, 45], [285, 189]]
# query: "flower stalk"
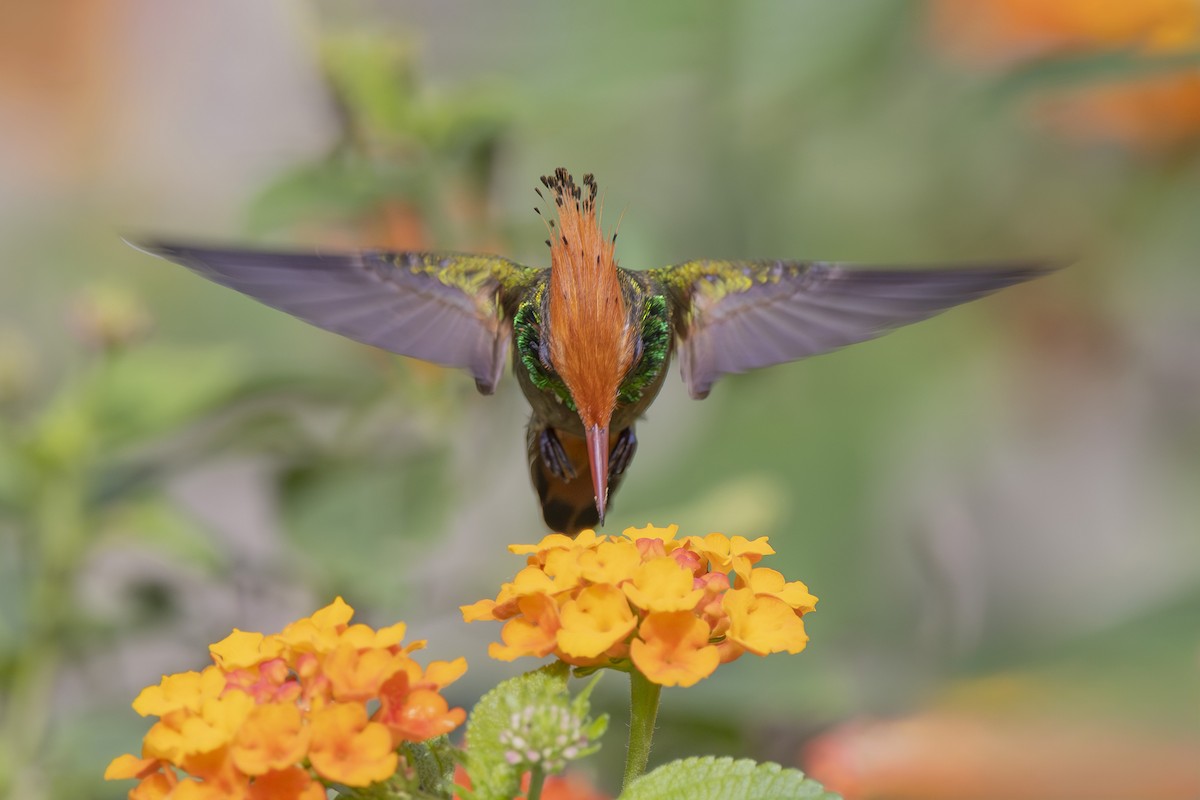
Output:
[[643, 711]]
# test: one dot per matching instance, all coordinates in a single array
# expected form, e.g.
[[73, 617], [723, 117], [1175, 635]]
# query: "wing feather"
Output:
[[443, 308], [739, 315]]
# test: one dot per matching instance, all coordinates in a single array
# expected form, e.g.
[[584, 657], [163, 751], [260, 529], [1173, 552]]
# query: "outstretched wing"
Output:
[[738, 315], [439, 307]]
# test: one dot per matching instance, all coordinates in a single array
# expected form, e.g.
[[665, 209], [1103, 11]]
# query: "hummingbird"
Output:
[[591, 341]]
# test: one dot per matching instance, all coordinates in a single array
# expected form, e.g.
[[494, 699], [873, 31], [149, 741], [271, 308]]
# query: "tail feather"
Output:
[[568, 506]]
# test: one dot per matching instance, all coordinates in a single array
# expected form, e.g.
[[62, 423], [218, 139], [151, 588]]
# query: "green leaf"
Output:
[[712, 778], [492, 777], [433, 762]]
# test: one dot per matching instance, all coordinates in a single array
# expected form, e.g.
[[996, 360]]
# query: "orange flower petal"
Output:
[[349, 749], [672, 649], [273, 737], [293, 783], [358, 674], [532, 634], [423, 715], [154, 787]]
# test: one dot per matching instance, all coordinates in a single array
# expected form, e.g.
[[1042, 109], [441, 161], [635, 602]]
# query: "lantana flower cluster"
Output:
[[280, 716], [674, 608]]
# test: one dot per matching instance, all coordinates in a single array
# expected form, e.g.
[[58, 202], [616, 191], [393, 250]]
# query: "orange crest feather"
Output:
[[592, 342]]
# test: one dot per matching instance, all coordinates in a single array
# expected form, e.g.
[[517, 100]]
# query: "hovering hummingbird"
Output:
[[591, 340]]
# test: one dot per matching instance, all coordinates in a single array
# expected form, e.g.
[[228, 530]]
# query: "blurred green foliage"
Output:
[[1007, 490]]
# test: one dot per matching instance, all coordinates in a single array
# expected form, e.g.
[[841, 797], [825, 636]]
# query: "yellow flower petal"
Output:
[[549, 541], [714, 547], [391, 635], [665, 535], [333, 615], [754, 549], [663, 585], [244, 649], [594, 621], [444, 673], [611, 562], [129, 766], [478, 612], [320, 632], [763, 624], [771, 582], [672, 649], [563, 567], [531, 580], [183, 690]]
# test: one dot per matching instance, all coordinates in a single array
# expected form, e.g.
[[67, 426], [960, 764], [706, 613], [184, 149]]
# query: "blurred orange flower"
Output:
[[674, 609], [1155, 110], [275, 716]]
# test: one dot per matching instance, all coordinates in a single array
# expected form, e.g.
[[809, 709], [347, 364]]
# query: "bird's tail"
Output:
[[568, 504]]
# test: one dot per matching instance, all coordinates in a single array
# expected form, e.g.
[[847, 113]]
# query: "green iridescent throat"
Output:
[[528, 326], [656, 341]]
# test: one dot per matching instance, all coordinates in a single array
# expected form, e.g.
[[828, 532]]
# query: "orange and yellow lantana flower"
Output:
[[279, 716], [674, 608]]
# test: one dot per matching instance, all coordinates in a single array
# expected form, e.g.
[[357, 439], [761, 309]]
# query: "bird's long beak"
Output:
[[597, 445]]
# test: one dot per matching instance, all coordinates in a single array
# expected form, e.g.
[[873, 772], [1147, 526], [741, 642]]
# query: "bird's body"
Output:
[[590, 341]]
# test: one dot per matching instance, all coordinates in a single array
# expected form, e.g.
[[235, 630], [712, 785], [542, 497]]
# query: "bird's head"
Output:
[[591, 340]]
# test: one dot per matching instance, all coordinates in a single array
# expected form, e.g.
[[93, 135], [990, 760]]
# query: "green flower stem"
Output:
[[643, 711], [536, 779]]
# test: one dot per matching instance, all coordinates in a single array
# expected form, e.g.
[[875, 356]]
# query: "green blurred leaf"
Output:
[[373, 77], [342, 187], [155, 522], [350, 518], [711, 778], [151, 390]]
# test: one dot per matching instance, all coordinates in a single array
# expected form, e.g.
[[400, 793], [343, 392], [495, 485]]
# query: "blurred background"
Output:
[[998, 508]]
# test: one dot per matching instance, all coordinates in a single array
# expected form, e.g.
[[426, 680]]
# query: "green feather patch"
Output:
[[656, 342], [528, 327]]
